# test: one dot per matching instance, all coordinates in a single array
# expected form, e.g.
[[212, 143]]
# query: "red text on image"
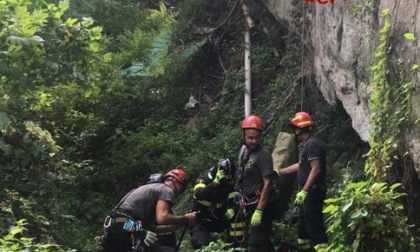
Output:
[[321, 1]]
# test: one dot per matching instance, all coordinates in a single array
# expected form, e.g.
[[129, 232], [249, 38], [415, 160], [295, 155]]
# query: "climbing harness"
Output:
[[133, 227], [130, 225], [240, 220]]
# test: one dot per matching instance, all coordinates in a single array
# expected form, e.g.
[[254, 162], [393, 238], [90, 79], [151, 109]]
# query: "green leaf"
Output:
[[356, 185], [5, 147], [409, 36], [394, 186], [415, 66], [330, 209], [348, 205], [356, 214], [94, 46], [4, 122], [386, 12], [71, 21], [36, 40]]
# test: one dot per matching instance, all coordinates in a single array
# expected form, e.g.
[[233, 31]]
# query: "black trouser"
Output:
[[259, 236], [310, 224], [167, 240], [118, 240], [200, 232]]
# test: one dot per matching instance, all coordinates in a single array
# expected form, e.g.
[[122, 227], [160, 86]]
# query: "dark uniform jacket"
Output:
[[211, 199]]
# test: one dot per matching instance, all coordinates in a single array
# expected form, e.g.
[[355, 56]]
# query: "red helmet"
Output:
[[302, 120], [252, 122], [179, 175]]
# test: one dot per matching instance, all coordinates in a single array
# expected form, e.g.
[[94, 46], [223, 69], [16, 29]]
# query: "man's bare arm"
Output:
[[265, 194], [313, 175]]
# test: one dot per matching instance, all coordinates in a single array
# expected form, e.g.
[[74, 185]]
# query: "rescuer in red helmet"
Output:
[[255, 181], [311, 171], [145, 213]]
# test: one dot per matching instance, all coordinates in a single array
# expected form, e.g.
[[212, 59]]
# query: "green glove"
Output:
[[256, 218], [300, 197], [229, 213], [219, 176]]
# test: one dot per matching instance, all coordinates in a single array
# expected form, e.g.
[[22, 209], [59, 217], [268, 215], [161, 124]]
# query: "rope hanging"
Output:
[[302, 50]]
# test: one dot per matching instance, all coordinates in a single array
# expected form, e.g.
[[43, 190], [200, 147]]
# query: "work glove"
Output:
[[150, 238], [300, 197], [219, 176], [256, 218], [229, 213]]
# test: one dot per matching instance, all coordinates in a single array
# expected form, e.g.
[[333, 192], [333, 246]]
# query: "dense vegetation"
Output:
[[93, 100]]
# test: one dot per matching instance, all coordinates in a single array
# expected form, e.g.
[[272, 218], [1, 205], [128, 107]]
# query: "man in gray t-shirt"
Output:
[[255, 180], [151, 205], [141, 203]]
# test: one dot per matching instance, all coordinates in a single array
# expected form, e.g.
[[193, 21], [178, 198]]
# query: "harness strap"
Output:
[[239, 227]]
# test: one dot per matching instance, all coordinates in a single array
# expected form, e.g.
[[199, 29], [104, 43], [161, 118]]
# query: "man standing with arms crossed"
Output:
[[255, 182], [311, 171]]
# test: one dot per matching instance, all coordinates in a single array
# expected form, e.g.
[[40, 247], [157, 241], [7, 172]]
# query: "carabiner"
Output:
[[108, 221]]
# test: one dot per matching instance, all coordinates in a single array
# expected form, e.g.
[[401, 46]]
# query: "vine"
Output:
[[390, 106], [368, 215]]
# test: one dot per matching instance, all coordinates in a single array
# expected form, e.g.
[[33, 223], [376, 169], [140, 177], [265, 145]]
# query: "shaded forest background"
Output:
[[97, 95]]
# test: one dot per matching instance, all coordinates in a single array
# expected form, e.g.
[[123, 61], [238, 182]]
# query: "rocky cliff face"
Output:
[[344, 36]]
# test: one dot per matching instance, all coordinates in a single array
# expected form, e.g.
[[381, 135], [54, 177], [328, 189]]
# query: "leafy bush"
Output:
[[16, 241], [21, 216], [366, 216], [219, 245]]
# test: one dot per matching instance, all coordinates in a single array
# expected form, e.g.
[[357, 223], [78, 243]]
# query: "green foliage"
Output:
[[364, 6], [76, 134], [116, 16], [390, 105], [367, 216], [15, 241], [31, 35], [409, 36], [219, 245], [21, 215], [48, 78]]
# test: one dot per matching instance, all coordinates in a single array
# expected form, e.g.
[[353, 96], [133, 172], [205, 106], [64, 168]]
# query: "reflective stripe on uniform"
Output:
[[236, 233], [304, 243], [205, 203], [232, 195], [322, 247], [199, 185], [237, 225]]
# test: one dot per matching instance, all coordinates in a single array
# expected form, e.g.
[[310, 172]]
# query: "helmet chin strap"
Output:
[[302, 130]]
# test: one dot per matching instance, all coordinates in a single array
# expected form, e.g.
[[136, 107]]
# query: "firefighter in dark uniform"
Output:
[[312, 170], [144, 213], [211, 200], [255, 183]]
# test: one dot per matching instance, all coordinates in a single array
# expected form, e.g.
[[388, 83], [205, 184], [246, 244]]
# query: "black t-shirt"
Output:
[[143, 200], [256, 167], [312, 149]]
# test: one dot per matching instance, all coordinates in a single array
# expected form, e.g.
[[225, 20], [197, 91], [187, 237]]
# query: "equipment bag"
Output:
[[285, 153]]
